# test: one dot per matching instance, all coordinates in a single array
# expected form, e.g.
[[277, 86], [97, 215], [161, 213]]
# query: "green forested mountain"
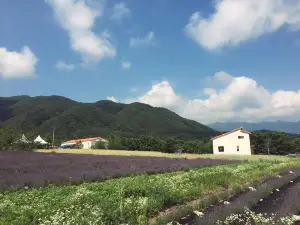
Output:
[[281, 126], [37, 115]]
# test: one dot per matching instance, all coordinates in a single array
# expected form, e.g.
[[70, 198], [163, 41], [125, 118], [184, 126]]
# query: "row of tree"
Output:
[[11, 140], [265, 142], [150, 143], [275, 143]]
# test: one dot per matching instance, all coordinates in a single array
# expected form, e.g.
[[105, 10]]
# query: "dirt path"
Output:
[[283, 202], [220, 211]]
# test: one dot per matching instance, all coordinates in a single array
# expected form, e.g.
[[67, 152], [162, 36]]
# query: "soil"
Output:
[[281, 202], [276, 203]]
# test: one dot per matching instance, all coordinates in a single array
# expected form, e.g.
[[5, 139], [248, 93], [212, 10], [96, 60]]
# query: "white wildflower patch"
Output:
[[296, 217], [80, 193], [172, 223], [85, 214], [261, 219], [137, 204], [6, 203], [200, 214]]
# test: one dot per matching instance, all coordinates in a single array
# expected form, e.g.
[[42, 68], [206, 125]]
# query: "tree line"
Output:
[[150, 143], [275, 143], [264, 142]]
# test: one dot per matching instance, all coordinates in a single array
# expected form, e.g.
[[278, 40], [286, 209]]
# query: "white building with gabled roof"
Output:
[[235, 142], [87, 143]]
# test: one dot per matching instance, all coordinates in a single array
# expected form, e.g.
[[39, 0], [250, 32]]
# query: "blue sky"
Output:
[[206, 60]]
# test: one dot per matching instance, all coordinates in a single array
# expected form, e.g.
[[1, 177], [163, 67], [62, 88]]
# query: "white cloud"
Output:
[[17, 64], [112, 98], [241, 99], [60, 65], [234, 22], [209, 91], [149, 39], [161, 95], [223, 77], [126, 65], [120, 11], [78, 18]]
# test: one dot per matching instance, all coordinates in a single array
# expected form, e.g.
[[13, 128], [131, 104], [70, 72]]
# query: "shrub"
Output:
[[99, 145]]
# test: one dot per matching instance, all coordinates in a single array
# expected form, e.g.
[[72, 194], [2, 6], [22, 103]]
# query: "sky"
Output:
[[207, 60]]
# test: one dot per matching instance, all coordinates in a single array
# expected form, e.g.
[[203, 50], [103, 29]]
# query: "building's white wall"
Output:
[[230, 143], [87, 144]]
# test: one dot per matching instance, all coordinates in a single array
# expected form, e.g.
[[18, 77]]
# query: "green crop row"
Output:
[[130, 200]]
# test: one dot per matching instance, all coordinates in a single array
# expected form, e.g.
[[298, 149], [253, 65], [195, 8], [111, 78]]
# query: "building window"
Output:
[[237, 148], [241, 137], [221, 148]]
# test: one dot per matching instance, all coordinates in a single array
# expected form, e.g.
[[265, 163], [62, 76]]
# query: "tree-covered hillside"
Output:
[[38, 115], [275, 143], [281, 126]]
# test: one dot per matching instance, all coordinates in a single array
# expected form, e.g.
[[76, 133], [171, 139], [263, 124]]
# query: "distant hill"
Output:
[[283, 126], [75, 119]]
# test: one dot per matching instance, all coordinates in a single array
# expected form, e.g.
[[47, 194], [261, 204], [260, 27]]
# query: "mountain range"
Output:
[[283, 126], [71, 119]]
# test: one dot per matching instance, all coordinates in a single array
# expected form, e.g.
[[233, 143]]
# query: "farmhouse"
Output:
[[234, 142], [86, 142]]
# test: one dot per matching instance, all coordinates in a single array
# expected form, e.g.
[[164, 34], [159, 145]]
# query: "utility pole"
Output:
[[53, 136]]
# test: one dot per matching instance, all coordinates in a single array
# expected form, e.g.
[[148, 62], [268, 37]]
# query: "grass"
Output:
[[160, 154], [130, 200], [247, 200]]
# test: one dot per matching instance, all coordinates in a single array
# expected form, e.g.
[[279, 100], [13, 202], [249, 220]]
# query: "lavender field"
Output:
[[33, 169], [130, 200]]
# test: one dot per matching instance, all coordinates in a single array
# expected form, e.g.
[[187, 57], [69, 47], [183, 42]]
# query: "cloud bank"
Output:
[[235, 22], [241, 98]]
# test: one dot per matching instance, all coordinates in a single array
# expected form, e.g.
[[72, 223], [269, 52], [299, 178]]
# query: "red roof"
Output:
[[82, 140], [238, 129]]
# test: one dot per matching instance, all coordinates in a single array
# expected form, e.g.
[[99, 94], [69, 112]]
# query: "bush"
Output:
[[99, 145], [20, 146]]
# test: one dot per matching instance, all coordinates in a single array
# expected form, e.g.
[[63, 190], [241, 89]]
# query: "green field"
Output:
[[130, 200]]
